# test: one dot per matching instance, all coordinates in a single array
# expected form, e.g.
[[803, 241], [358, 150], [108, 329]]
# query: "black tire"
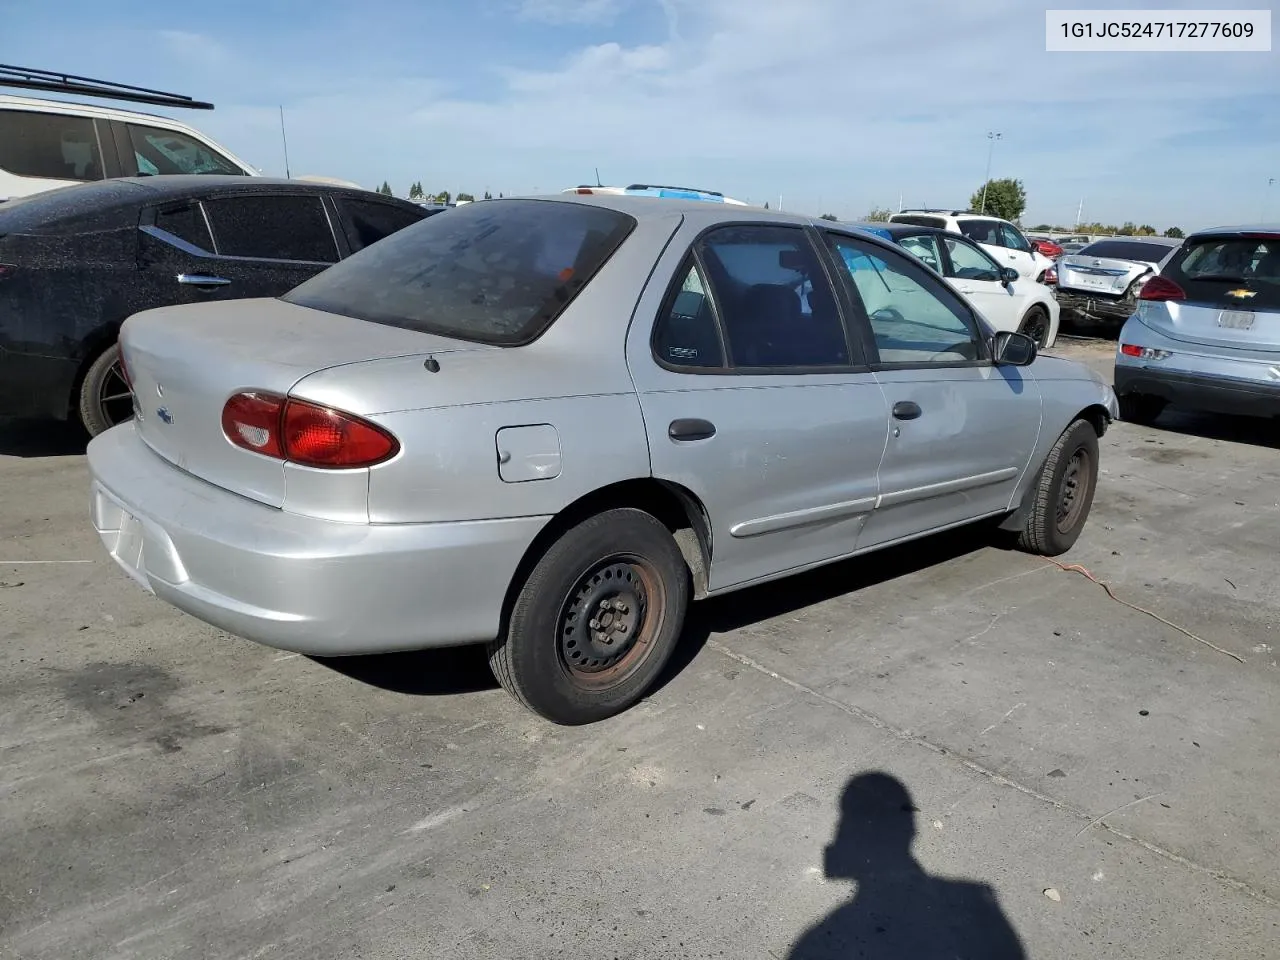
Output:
[[1063, 493], [104, 399], [620, 570], [1140, 408], [1036, 325]]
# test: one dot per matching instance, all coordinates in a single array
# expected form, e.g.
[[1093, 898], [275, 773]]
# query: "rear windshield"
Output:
[[1236, 272], [497, 271], [1128, 250]]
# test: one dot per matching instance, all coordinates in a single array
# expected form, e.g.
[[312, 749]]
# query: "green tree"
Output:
[[766, 204], [415, 192], [488, 195], [1005, 199], [1127, 230], [878, 215], [385, 188], [1146, 230], [828, 216], [1175, 232], [444, 196], [465, 196]]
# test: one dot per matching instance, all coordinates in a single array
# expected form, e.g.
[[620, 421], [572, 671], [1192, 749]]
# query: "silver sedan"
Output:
[[547, 424]]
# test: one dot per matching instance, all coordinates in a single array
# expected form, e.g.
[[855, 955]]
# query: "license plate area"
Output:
[[1236, 319]]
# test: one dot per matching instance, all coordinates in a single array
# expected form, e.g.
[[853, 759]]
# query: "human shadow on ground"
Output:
[[41, 438], [898, 911]]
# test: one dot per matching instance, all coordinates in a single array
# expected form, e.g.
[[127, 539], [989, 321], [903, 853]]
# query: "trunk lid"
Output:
[[184, 362], [1103, 275], [1232, 287]]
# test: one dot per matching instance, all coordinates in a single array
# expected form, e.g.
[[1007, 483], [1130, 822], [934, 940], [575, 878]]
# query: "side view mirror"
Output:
[[1009, 275], [1010, 349]]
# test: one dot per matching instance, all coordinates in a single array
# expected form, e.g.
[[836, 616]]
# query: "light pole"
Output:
[[1266, 198], [992, 138]]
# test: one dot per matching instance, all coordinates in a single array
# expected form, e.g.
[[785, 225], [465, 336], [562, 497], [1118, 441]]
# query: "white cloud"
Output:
[[840, 107]]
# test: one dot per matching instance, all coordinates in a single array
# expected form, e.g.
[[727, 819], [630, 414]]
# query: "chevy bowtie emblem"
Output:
[[1241, 294], [164, 415]]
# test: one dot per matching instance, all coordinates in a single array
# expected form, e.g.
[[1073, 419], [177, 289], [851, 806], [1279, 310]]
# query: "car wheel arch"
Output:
[[90, 348], [678, 508]]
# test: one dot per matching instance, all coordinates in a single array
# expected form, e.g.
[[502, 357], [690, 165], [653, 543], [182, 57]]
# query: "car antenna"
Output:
[[285, 141], [47, 80], [598, 183]]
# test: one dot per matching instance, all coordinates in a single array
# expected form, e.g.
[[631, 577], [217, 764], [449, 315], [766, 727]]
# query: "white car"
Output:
[[1000, 238], [46, 144], [1005, 300]]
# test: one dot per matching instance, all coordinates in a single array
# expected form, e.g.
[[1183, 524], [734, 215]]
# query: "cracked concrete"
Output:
[[169, 791]]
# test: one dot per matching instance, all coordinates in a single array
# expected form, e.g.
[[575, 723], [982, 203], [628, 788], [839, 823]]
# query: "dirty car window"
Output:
[[496, 271]]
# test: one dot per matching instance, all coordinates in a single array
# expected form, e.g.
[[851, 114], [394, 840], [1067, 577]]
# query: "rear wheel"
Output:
[[1063, 495], [104, 399], [596, 620], [1140, 408], [1036, 326]]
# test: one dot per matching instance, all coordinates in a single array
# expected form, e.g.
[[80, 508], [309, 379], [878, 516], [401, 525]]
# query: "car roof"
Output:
[[74, 108], [1241, 229], [655, 208]]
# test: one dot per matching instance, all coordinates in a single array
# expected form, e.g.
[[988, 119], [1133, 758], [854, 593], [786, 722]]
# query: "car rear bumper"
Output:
[[314, 586], [1095, 306], [1199, 392]]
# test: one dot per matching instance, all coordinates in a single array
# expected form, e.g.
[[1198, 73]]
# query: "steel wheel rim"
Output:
[[115, 399], [609, 621], [1076, 480]]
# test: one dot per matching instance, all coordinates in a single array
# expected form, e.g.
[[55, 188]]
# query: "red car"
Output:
[[1048, 248]]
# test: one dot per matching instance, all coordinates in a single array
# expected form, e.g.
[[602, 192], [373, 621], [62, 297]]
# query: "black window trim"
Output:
[[853, 342], [982, 333], [342, 217]]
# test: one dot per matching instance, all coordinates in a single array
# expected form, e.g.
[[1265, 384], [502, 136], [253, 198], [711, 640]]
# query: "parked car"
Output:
[[1000, 238], [46, 144], [546, 424], [1047, 248], [1006, 301], [1102, 281], [649, 190], [1206, 334], [76, 261]]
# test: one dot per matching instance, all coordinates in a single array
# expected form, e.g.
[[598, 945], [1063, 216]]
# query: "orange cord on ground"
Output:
[[1076, 568]]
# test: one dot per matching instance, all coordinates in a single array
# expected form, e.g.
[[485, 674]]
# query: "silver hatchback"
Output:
[[547, 424], [1206, 334]]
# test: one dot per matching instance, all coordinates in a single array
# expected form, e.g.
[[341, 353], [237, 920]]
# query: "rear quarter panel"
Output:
[[574, 379]]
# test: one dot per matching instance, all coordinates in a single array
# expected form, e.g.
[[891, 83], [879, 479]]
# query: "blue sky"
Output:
[[837, 105]]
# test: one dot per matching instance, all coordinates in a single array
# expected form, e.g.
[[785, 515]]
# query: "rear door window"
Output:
[[1236, 273], [497, 272], [924, 247], [367, 221], [272, 227], [969, 262], [775, 302], [160, 151], [1013, 239], [52, 146]]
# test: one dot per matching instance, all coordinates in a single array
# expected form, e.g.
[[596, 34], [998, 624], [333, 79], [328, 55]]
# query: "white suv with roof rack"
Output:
[[1000, 238], [46, 144]]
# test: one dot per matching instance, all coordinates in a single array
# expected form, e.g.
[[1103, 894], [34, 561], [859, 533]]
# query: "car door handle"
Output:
[[202, 280], [906, 410], [691, 429]]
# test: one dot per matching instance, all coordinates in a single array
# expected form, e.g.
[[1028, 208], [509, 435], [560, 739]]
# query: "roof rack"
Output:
[[658, 186], [28, 78]]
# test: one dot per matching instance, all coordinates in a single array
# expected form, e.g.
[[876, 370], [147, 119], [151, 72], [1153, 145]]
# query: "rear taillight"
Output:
[[1050, 276], [1161, 288], [304, 433], [1144, 353]]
